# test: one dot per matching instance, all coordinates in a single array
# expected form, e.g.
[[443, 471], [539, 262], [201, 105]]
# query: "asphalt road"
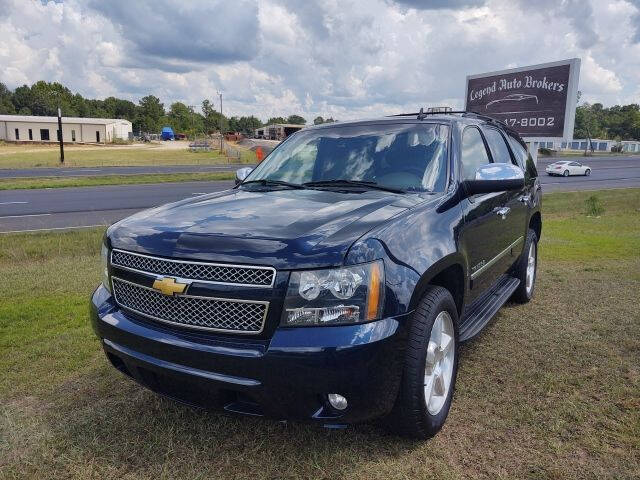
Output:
[[59, 208], [99, 171], [606, 172]]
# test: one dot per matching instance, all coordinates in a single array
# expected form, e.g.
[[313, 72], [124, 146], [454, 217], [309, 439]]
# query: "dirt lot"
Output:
[[549, 390]]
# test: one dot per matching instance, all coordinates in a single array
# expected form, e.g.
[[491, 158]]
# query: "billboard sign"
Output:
[[539, 101]]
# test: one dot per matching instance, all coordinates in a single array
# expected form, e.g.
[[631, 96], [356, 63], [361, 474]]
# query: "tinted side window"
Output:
[[497, 145], [519, 151], [474, 153]]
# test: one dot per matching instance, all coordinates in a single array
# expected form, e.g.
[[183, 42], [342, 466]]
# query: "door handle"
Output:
[[503, 212], [525, 198]]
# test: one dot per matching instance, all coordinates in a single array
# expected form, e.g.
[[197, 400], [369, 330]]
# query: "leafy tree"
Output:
[[273, 120], [296, 120], [6, 105], [318, 120], [149, 115], [244, 125], [184, 119], [213, 120]]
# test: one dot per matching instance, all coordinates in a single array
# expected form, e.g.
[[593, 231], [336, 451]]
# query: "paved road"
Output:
[[88, 206], [606, 172], [98, 171], [56, 208]]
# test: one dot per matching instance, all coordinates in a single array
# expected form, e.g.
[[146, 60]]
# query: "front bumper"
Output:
[[286, 377]]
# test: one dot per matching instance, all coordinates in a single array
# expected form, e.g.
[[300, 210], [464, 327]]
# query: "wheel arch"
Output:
[[448, 273], [535, 223]]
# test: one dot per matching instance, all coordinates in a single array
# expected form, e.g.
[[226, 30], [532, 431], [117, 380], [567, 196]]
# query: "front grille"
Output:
[[205, 313], [208, 272]]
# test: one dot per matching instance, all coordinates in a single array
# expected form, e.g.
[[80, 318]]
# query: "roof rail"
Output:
[[421, 115]]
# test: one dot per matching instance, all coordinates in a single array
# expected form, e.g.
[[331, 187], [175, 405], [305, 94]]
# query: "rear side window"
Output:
[[497, 145], [474, 153], [518, 151]]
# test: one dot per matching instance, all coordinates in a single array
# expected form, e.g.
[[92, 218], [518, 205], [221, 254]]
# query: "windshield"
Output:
[[398, 156]]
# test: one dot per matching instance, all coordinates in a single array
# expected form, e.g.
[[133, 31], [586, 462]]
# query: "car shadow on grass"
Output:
[[105, 418]]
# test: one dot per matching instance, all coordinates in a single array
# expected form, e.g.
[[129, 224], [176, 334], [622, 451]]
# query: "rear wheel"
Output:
[[526, 269], [566, 173], [587, 172], [430, 370]]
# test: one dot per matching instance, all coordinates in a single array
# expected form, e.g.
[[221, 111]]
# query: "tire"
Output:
[[411, 416], [566, 173], [524, 293], [587, 172]]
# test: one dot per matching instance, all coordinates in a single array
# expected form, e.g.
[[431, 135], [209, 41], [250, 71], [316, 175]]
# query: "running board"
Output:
[[486, 306]]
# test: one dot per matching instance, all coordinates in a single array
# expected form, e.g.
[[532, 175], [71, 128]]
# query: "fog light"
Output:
[[337, 401]]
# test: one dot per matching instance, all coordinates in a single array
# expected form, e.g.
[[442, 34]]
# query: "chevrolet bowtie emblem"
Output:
[[169, 286]]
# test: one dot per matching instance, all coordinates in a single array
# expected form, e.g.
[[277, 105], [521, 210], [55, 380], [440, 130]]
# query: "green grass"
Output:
[[550, 389], [57, 182], [27, 156]]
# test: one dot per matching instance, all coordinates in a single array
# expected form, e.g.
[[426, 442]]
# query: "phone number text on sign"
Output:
[[531, 122]]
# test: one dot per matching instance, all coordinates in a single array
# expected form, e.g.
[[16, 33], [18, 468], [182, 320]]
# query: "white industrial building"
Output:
[[29, 128], [599, 145]]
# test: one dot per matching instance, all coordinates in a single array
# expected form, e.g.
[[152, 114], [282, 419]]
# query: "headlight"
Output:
[[335, 296], [104, 256]]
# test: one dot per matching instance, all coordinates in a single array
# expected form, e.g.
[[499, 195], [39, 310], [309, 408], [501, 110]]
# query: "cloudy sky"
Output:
[[339, 58]]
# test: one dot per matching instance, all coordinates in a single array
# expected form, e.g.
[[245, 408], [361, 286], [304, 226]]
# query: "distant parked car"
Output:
[[566, 168]]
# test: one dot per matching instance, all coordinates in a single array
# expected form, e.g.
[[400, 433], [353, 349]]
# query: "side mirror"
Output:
[[495, 177], [242, 173]]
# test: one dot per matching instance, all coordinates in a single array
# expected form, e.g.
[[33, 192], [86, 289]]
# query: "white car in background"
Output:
[[567, 167]]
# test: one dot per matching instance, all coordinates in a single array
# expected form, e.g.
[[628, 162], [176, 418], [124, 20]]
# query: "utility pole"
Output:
[[60, 136], [221, 122], [193, 120]]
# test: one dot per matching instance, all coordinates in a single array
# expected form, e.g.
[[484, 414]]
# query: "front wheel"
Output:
[[587, 172], [431, 366], [526, 269], [566, 173]]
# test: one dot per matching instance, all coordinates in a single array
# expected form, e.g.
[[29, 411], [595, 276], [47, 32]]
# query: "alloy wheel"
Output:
[[531, 268], [438, 369]]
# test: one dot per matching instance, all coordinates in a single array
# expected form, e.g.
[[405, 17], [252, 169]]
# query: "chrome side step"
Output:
[[483, 309]]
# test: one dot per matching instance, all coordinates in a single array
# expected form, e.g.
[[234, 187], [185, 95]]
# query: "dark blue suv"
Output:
[[336, 281]]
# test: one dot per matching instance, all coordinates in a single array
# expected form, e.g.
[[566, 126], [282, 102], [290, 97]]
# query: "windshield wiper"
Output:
[[354, 183], [269, 182]]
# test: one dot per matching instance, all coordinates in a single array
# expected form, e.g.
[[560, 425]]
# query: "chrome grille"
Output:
[[205, 313], [207, 272]]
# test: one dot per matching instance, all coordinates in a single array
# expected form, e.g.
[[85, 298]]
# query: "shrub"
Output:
[[594, 206], [546, 151]]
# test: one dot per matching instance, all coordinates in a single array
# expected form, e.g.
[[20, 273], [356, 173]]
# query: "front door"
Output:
[[514, 204], [482, 236]]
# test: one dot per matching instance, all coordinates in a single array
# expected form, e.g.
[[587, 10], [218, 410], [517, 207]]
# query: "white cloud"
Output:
[[344, 59]]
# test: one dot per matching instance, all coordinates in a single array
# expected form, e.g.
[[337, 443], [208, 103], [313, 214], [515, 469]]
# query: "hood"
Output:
[[281, 228]]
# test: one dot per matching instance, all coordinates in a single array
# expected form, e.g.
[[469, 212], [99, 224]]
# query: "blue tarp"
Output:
[[167, 133]]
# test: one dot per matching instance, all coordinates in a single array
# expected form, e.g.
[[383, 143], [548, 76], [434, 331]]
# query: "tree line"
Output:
[[612, 123], [148, 115]]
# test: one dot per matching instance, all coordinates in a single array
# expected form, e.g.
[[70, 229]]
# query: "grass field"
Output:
[[549, 390], [30, 156], [58, 182]]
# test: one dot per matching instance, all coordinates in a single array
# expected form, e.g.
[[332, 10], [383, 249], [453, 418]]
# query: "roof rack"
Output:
[[421, 115]]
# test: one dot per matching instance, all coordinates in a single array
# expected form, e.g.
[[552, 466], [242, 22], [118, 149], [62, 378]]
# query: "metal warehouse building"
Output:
[[277, 131], [23, 128]]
